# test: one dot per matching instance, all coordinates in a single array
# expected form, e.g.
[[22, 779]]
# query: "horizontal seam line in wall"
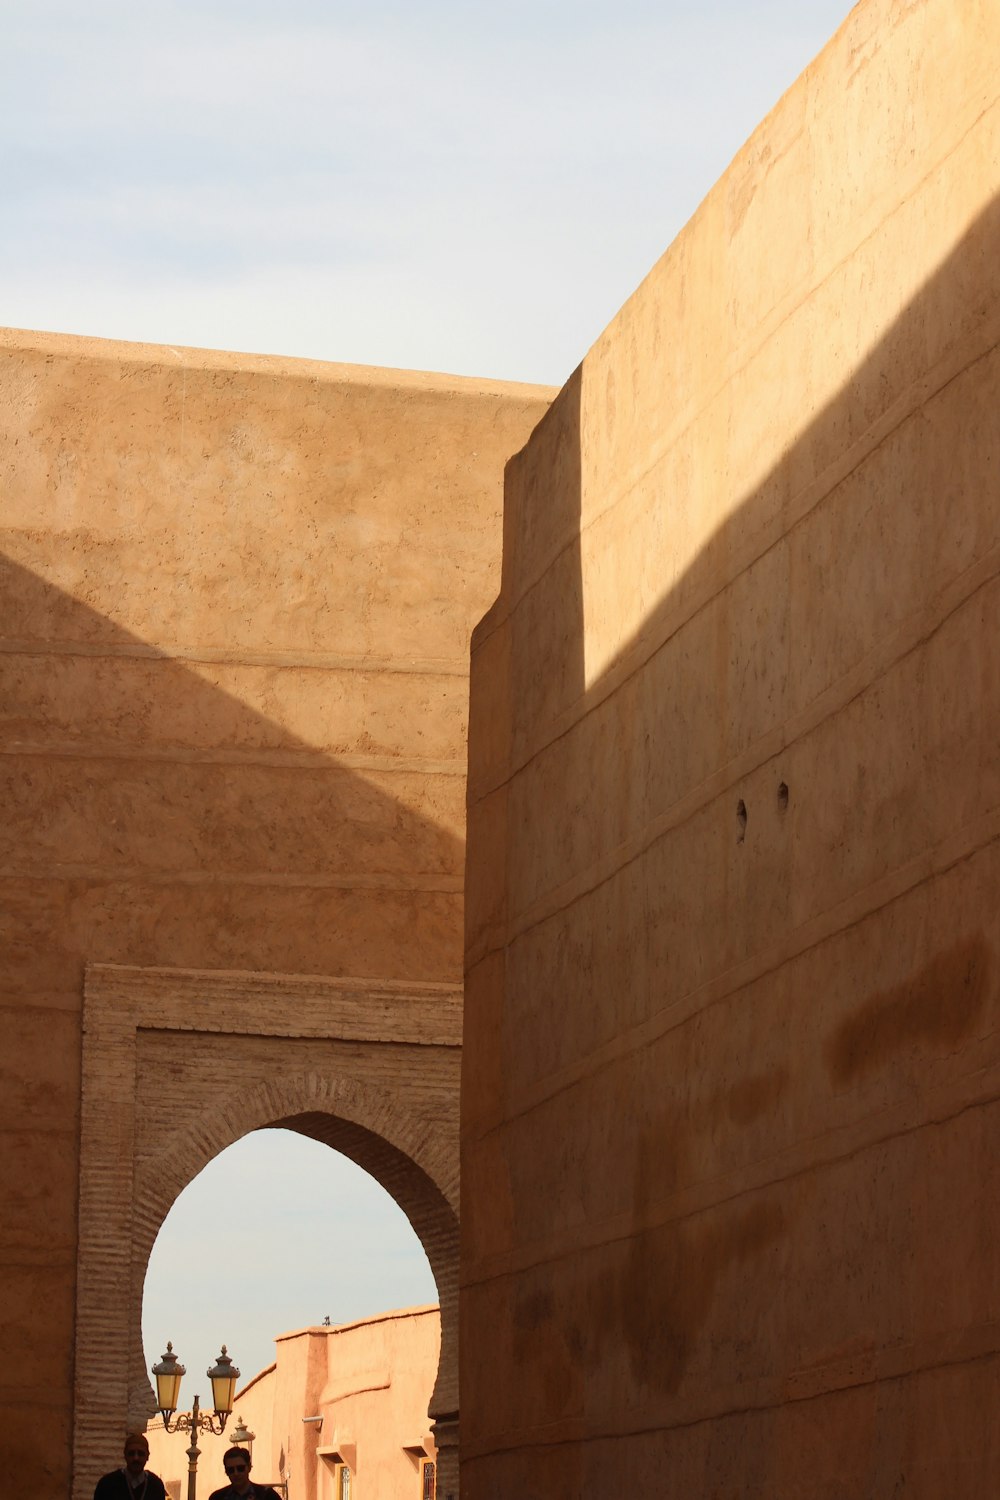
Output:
[[369, 1038], [926, 866], [816, 1161], [641, 651], [27, 1003], [151, 981], [764, 332], [910, 636], [775, 1403], [218, 656], [327, 761], [441, 884]]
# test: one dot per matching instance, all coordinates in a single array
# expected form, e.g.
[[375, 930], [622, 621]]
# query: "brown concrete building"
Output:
[[731, 1075]]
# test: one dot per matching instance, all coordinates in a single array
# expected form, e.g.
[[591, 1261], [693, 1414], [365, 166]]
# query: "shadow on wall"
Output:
[[160, 820], [798, 738], [151, 818]]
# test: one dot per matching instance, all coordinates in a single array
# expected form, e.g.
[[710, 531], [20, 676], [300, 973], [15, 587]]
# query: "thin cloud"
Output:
[[426, 185]]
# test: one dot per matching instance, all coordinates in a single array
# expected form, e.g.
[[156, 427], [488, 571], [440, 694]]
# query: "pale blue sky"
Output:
[[277, 1233], [430, 185], [435, 185]]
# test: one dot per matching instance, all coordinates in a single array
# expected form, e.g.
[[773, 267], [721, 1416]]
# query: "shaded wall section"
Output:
[[731, 1076], [236, 598]]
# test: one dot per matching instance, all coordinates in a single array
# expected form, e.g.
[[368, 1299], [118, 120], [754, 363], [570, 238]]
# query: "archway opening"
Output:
[[304, 1248], [278, 1232], [369, 1068]]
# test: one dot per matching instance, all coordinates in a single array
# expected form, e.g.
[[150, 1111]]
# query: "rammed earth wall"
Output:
[[731, 1069], [236, 601]]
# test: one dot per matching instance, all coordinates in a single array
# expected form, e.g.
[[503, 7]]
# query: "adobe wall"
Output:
[[731, 1065], [236, 600]]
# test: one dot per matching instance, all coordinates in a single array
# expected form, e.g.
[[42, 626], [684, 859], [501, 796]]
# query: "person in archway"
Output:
[[133, 1481], [236, 1462]]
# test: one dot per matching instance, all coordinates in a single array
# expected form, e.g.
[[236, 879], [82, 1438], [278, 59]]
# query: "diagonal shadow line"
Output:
[[152, 818], [127, 773], [684, 680], [667, 711]]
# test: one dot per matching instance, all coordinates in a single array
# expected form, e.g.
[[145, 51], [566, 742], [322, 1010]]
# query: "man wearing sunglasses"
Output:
[[236, 1462], [132, 1481]]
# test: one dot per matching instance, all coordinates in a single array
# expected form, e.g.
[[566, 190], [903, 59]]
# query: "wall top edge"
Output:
[[111, 977], [121, 351], [742, 160], [254, 1380], [391, 1315]]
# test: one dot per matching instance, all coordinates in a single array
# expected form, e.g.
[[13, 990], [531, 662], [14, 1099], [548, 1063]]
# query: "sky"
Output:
[[427, 184], [277, 1233], [424, 184]]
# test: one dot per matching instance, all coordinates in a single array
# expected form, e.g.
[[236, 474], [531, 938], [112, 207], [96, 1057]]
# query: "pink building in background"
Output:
[[340, 1415]]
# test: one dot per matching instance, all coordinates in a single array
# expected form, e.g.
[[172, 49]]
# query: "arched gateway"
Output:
[[179, 1064]]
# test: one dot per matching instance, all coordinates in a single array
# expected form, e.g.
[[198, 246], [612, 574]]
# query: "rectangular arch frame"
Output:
[[415, 1023]]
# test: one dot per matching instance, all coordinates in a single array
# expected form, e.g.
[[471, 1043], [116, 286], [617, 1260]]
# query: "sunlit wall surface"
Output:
[[731, 1078]]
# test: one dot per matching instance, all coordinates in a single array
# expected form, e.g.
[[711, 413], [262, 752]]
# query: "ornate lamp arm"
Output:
[[196, 1421], [223, 1376]]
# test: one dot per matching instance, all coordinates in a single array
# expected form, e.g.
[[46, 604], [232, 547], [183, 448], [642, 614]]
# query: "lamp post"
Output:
[[223, 1375], [242, 1437]]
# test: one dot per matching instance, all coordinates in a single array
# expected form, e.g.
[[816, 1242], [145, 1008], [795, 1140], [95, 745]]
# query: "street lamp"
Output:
[[242, 1437], [223, 1376]]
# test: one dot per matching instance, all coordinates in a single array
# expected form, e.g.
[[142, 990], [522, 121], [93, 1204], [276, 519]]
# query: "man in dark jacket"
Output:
[[236, 1463], [132, 1481]]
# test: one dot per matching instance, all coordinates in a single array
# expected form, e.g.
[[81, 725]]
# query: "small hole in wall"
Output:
[[741, 818], [783, 796]]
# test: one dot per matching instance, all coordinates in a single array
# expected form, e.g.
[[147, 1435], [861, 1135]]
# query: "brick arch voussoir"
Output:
[[431, 1216], [360, 1113]]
